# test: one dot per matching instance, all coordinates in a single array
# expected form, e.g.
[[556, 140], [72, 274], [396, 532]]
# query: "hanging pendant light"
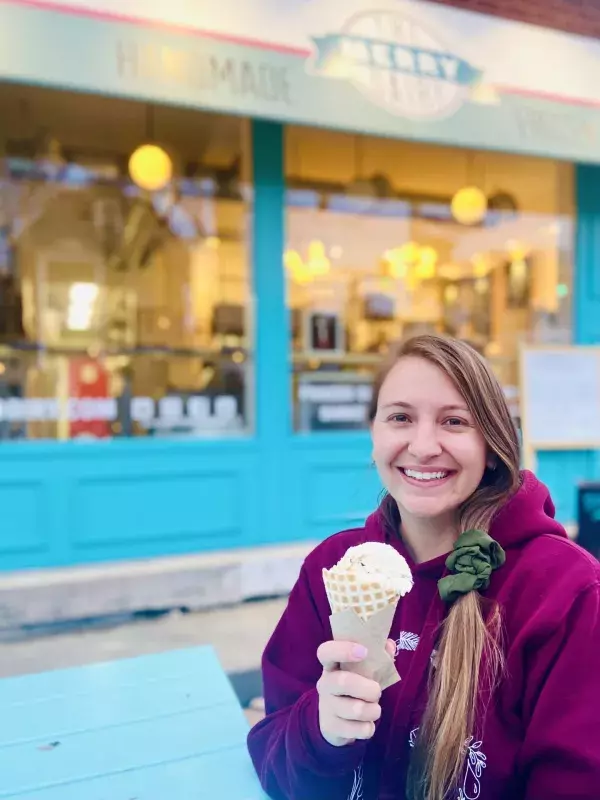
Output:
[[469, 205], [150, 166]]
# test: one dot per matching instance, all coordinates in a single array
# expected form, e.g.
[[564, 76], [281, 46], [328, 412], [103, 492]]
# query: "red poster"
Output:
[[88, 381]]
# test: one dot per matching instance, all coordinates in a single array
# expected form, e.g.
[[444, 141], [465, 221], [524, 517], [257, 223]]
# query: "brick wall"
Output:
[[575, 16]]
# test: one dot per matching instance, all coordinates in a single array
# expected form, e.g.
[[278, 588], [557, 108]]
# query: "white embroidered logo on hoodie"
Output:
[[407, 641], [475, 764], [357, 787]]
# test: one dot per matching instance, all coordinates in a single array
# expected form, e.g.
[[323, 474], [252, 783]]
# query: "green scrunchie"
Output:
[[474, 557]]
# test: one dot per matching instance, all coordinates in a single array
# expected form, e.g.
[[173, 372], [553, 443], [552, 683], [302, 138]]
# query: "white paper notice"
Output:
[[562, 396]]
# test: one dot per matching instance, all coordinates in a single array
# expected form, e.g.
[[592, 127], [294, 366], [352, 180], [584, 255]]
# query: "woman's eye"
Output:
[[401, 418], [454, 422]]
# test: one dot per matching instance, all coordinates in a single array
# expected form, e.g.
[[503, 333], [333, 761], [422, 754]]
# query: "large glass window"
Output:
[[388, 238], [124, 277]]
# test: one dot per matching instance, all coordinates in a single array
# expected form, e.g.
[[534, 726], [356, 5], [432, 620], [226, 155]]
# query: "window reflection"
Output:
[[388, 239], [123, 312]]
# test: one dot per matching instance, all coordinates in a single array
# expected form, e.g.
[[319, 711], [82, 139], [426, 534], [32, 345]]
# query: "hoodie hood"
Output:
[[527, 515]]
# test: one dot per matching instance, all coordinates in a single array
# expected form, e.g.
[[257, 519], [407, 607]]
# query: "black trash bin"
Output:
[[588, 517]]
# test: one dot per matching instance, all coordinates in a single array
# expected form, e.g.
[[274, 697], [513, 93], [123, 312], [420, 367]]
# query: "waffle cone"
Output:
[[345, 590]]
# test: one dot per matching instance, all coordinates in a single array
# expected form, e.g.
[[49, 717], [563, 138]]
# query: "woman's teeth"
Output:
[[425, 476]]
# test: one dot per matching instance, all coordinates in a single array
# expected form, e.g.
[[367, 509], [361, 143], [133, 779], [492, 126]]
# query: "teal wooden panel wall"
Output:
[[67, 503]]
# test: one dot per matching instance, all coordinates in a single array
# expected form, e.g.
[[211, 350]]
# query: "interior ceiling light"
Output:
[[150, 167], [469, 205]]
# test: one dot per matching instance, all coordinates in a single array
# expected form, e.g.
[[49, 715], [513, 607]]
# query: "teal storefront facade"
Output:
[[72, 502]]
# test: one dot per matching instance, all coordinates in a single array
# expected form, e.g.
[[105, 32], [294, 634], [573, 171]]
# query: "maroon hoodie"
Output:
[[541, 737]]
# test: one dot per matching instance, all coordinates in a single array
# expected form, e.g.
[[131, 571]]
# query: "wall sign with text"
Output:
[[332, 406], [398, 68], [158, 417]]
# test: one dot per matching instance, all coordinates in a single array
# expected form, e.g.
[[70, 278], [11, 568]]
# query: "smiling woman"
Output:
[[483, 546], [440, 429]]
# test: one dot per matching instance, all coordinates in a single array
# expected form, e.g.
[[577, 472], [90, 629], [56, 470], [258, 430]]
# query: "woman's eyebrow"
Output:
[[408, 406]]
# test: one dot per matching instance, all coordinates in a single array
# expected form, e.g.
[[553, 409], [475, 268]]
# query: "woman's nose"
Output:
[[424, 443]]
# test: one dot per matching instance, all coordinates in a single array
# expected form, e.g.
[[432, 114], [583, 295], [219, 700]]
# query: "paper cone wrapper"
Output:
[[363, 613], [379, 666]]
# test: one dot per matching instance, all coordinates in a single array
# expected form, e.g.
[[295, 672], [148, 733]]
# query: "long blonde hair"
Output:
[[469, 659]]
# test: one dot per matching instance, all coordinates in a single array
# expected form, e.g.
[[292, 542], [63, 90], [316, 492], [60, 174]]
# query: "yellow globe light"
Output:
[[412, 279], [150, 167], [302, 274], [398, 270], [517, 250], [298, 270], [410, 252], [393, 265], [451, 294], [480, 265], [428, 255], [428, 258], [292, 260], [318, 263], [469, 205]]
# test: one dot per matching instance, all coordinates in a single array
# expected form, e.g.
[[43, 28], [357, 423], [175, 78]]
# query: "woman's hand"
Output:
[[348, 703]]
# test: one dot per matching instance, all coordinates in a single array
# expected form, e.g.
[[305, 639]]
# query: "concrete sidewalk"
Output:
[[137, 608], [198, 582], [238, 634]]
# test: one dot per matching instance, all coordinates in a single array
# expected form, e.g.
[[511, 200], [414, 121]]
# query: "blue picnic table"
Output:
[[158, 727]]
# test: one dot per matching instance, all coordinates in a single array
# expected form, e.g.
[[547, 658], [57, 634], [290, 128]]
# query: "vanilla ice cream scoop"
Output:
[[378, 562], [368, 578]]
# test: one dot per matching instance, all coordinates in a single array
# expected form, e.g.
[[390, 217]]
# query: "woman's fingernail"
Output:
[[359, 652]]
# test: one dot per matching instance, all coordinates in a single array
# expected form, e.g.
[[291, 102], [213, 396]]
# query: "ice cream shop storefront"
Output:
[[214, 221]]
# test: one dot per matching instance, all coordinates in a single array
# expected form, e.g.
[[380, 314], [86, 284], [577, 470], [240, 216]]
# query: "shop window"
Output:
[[124, 272], [388, 238]]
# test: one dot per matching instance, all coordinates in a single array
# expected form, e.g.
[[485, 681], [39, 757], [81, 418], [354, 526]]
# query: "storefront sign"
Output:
[[190, 68], [398, 68], [396, 64]]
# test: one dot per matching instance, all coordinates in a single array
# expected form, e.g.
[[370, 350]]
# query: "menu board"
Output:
[[560, 398]]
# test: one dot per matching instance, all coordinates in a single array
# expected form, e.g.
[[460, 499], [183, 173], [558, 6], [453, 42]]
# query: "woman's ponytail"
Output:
[[467, 643]]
